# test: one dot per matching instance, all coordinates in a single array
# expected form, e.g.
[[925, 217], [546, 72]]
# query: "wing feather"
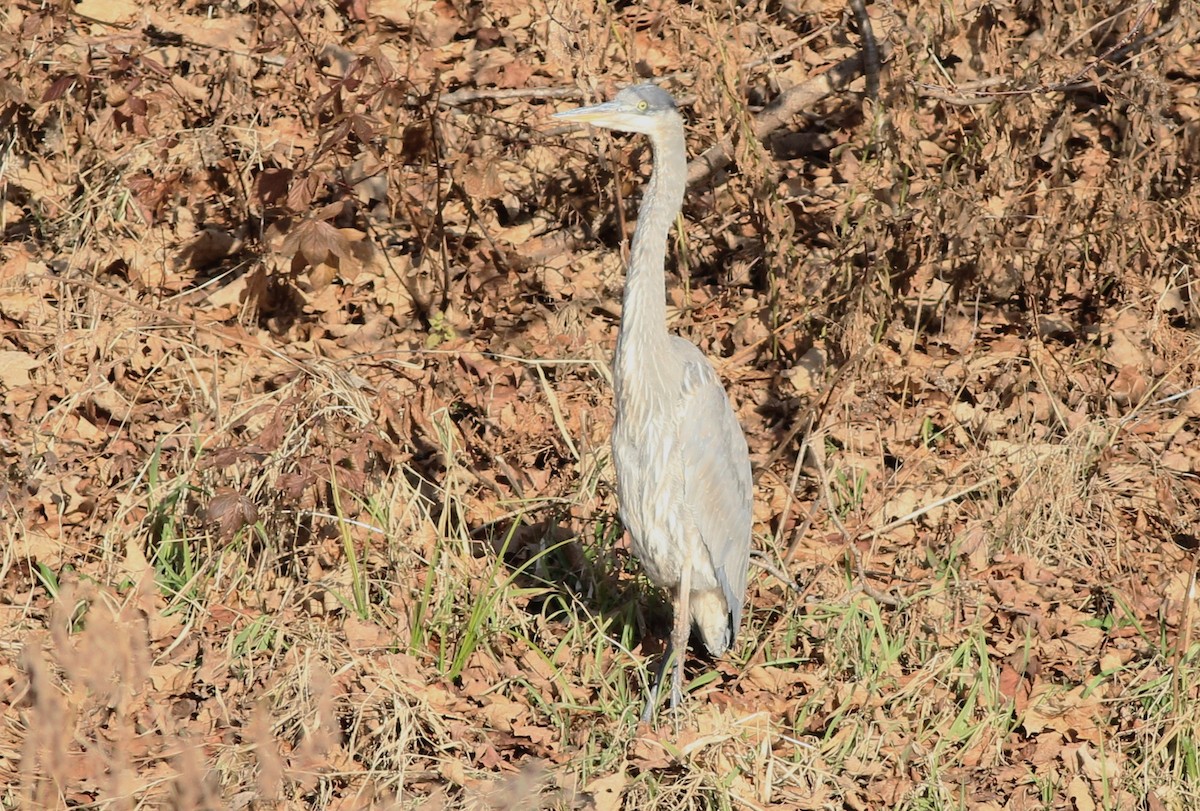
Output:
[[716, 475]]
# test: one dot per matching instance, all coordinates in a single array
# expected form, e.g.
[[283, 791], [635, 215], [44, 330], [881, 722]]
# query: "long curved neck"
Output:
[[644, 313]]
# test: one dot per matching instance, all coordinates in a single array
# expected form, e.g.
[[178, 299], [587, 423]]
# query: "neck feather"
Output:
[[644, 313]]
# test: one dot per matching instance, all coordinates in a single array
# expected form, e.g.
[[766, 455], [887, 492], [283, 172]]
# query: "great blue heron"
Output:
[[683, 469]]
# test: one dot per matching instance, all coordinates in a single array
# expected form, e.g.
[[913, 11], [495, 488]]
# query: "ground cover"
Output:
[[305, 316]]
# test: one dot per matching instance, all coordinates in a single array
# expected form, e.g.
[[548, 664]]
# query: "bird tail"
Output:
[[711, 616]]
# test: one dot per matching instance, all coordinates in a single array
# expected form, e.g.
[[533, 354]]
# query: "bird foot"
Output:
[[676, 697], [670, 660]]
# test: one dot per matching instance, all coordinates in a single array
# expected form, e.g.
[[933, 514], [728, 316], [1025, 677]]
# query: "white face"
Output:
[[630, 111]]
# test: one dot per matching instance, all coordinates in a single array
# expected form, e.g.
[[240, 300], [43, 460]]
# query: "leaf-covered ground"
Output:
[[305, 317]]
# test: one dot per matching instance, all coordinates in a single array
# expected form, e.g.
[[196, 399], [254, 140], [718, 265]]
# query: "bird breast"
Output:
[[650, 477]]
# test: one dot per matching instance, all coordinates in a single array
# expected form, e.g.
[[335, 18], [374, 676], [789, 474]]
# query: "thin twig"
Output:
[[872, 592], [1095, 63], [759, 558], [917, 513], [827, 493], [1119, 50], [801, 97], [811, 415], [182, 323], [468, 95], [787, 503], [870, 48], [789, 48], [1183, 637]]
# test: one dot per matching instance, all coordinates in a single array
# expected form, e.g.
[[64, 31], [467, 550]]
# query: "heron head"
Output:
[[643, 108]]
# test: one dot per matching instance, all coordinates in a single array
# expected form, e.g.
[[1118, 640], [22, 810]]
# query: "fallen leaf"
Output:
[[607, 791], [111, 12], [15, 367]]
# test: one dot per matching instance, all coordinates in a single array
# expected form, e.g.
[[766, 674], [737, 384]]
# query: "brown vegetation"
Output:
[[305, 313]]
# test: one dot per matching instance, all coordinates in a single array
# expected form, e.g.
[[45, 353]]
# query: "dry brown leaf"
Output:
[[230, 510], [607, 791], [15, 368], [112, 12]]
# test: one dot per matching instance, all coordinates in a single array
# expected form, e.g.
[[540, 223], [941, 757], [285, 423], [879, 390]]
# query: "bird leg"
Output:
[[676, 649], [679, 635], [652, 699]]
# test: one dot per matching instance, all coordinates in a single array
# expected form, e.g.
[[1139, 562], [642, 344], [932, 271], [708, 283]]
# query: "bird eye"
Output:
[[642, 106]]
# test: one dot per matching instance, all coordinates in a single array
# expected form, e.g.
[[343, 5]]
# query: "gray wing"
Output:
[[716, 475]]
